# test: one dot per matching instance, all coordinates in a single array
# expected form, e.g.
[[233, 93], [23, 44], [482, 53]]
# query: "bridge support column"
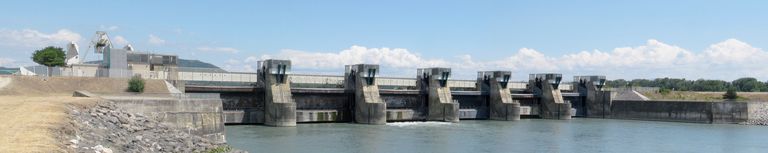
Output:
[[433, 82], [552, 105], [502, 107], [360, 81], [280, 107], [597, 102]]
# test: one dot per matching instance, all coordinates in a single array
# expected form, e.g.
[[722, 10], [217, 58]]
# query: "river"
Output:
[[527, 135]]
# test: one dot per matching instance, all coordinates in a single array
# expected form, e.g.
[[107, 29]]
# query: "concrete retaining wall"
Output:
[[201, 117], [681, 111], [729, 112]]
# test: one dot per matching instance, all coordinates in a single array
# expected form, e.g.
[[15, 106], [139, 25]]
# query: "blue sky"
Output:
[[633, 39]]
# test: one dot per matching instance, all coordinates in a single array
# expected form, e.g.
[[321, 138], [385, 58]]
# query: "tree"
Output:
[[747, 84], [49, 56], [664, 91], [730, 94]]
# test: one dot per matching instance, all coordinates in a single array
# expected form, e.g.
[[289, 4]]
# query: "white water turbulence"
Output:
[[423, 124]]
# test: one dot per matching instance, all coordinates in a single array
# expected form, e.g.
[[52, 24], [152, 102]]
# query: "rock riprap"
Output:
[[104, 128]]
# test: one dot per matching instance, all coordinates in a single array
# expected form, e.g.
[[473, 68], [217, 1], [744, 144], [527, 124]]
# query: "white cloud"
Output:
[[727, 60], [33, 38], [733, 51], [108, 28], [653, 54], [155, 40], [392, 57], [120, 41], [218, 49], [525, 59]]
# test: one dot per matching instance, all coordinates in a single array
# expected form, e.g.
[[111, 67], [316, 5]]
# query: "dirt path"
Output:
[[34, 123]]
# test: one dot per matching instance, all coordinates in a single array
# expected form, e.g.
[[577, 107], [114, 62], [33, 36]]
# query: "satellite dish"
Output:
[[128, 47], [101, 42], [73, 53]]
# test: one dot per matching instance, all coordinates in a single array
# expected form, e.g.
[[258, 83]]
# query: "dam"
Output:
[[361, 96]]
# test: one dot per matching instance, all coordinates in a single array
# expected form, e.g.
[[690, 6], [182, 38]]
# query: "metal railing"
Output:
[[214, 76], [196, 95], [316, 79], [217, 76], [89, 71]]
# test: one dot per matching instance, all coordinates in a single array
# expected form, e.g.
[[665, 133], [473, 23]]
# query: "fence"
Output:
[[85, 71], [215, 76], [218, 76], [199, 74]]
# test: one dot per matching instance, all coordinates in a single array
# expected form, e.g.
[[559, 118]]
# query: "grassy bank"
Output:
[[705, 96]]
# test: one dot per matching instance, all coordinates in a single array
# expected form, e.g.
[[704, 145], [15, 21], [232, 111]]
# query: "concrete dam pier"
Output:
[[280, 108], [360, 83], [433, 82], [502, 106]]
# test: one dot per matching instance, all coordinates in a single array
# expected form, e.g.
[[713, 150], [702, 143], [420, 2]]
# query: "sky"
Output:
[[619, 39]]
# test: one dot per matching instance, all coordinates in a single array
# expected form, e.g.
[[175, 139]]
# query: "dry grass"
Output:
[[706, 96], [35, 124], [33, 110], [32, 85]]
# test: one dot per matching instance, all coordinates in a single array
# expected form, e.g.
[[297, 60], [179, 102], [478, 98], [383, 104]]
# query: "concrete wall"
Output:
[[529, 107], [404, 101], [729, 112], [600, 105], [681, 111], [325, 101], [201, 117], [473, 106], [677, 111], [326, 107], [405, 115]]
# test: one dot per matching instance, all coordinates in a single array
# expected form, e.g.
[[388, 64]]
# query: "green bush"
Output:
[[220, 149], [730, 94], [136, 84], [664, 91]]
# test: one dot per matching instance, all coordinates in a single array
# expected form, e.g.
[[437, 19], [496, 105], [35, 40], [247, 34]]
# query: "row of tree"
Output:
[[741, 84]]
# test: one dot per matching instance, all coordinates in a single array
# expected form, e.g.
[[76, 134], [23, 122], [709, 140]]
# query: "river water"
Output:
[[527, 135]]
